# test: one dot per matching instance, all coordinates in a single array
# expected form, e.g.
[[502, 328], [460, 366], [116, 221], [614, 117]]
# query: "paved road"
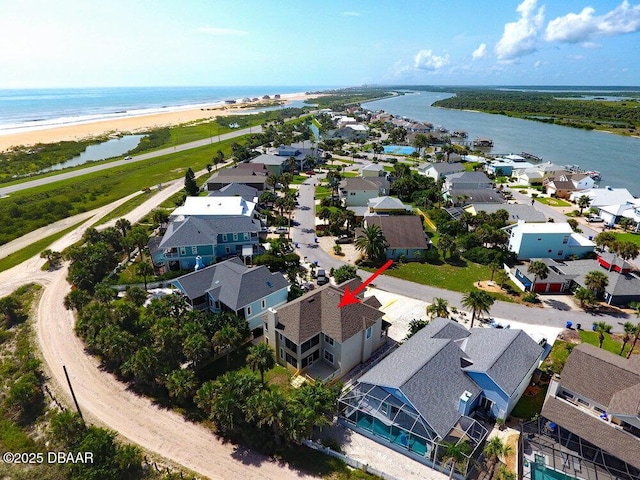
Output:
[[545, 315], [138, 158]]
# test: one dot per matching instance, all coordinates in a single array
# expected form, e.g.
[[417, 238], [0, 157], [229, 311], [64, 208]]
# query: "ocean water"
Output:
[[32, 109]]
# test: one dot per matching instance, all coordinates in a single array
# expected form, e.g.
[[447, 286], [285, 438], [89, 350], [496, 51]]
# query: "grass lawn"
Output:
[[530, 405], [299, 179], [553, 202], [35, 248], [610, 343], [349, 174], [628, 237], [469, 166], [558, 356], [458, 277], [126, 207], [322, 192]]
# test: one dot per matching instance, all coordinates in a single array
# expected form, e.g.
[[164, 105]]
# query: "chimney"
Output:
[[464, 404]]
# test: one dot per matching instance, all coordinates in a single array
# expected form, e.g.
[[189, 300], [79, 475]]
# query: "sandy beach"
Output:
[[128, 124]]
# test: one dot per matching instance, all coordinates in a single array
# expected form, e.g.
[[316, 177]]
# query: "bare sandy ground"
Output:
[[106, 401], [129, 124]]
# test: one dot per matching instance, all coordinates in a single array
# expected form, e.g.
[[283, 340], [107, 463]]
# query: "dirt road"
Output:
[[106, 401]]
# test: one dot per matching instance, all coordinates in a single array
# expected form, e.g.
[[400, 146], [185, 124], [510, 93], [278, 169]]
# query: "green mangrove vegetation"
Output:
[[561, 108]]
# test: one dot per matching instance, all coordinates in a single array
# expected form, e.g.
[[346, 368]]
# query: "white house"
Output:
[[439, 170], [547, 240], [601, 197]]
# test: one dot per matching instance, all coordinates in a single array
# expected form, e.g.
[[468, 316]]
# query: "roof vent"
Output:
[[312, 299]]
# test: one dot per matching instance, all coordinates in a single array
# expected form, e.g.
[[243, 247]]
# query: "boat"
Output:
[[479, 142], [594, 174], [459, 134]]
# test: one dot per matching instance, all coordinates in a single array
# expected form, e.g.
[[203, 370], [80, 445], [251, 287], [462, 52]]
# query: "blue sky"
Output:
[[67, 43]]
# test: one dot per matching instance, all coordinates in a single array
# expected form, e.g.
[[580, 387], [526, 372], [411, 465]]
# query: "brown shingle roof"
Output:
[[401, 231], [318, 312], [598, 374], [618, 443]]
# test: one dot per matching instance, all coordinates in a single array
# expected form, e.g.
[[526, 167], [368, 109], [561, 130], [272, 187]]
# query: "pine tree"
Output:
[[190, 185]]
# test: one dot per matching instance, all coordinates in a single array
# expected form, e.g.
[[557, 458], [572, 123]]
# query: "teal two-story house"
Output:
[[207, 229], [232, 286]]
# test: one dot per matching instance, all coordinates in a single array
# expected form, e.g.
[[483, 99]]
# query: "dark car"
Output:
[[310, 172], [344, 239]]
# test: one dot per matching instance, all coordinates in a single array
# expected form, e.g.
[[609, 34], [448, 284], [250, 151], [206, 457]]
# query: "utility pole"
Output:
[[75, 400]]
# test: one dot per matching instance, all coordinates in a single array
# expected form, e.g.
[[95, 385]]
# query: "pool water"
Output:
[[539, 472], [399, 149]]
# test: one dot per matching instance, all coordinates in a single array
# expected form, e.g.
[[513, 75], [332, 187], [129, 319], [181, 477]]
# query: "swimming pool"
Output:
[[539, 472], [399, 149]]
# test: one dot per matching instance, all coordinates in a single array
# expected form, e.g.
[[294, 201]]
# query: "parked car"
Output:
[[282, 230], [322, 277], [342, 239], [128, 157], [310, 172], [594, 219]]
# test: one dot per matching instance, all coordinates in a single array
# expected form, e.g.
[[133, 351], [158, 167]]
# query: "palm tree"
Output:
[[629, 329], [492, 450], [455, 454], [539, 269], [181, 384], [261, 358], [583, 202], [636, 337], [10, 309], [478, 302], [123, 225], [146, 270], [371, 242], [601, 329], [596, 281], [585, 296], [439, 308], [446, 244], [226, 339]]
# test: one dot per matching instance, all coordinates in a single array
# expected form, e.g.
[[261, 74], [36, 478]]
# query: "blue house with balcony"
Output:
[[232, 286], [207, 229], [425, 395]]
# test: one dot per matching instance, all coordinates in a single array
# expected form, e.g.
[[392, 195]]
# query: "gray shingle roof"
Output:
[[318, 312], [203, 231], [618, 443], [401, 231], [505, 355], [444, 167], [468, 177], [232, 283], [233, 189], [477, 195], [427, 371], [528, 213]]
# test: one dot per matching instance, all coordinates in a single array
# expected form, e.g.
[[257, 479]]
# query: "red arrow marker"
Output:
[[350, 297]]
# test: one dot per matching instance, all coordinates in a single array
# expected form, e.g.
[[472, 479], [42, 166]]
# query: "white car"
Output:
[[282, 230], [128, 157]]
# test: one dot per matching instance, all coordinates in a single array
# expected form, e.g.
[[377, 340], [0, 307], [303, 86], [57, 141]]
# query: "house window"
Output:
[[560, 252], [290, 345], [565, 240], [599, 410], [328, 356], [352, 193], [369, 331], [328, 339], [282, 353], [227, 249], [583, 402], [248, 310], [194, 250], [310, 359], [183, 251], [263, 304], [235, 237], [216, 304], [245, 235], [266, 327], [312, 342], [224, 237], [291, 360]]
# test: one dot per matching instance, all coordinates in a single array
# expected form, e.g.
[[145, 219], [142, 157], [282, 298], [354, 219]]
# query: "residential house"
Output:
[[439, 170], [206, 229], [246, 192], [426, 393], [373, 170], [404, 235], [357, 191], [562, 185], [312, 335], [547, 240], [231, 286], [387, 206], [467, 181], [235, 175], [612, 214], [516, 212], [274, 164], [601, 197], [351, 132], [623, 285], [592, 412], [464, 197]]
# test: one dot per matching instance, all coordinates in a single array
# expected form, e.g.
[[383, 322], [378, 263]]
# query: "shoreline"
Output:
[[130, 124]]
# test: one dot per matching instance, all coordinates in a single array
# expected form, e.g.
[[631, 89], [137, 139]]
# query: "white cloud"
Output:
[[426, 60], [480, 52], [537, 64], [350, 14], [222, 31], [590, 45], [584, 26], [519, 37]]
